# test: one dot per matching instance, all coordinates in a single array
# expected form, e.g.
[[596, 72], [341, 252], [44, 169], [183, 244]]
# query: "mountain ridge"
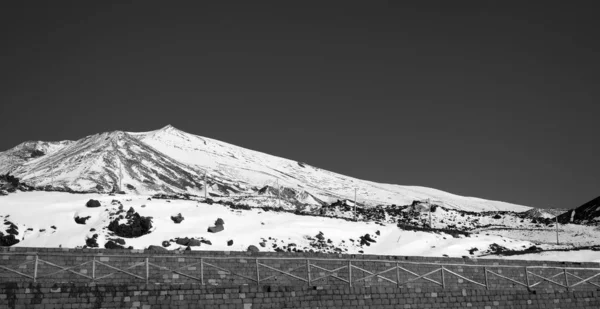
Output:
[[169, 160]]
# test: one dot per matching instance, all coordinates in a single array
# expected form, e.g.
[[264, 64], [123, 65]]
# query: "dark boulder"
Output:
[[215, 229], [92, 204], [219, 222], [206, 241], [166, 243], [182, 241], [7, 240], [157, 249], [252, 248], [81, 220], [190, 242], [177, 219], [112, 245], [92, 242], [230, 242]]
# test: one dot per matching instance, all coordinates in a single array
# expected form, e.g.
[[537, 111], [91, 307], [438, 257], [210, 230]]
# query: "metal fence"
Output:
[[300, 271]]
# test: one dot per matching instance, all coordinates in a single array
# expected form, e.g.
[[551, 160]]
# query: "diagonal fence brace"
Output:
[[420, 276], [67, 269], [121, 270], [288, 273], [378, 274], [331, 273]]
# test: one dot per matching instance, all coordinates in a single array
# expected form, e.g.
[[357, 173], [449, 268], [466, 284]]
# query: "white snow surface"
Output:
[[169, 160], [35, 214], [40, 211]]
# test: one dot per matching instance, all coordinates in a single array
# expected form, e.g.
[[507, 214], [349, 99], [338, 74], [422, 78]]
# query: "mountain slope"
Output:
[[27, 152], [586, 213], [109, 162], [254, 168], [169, 160]]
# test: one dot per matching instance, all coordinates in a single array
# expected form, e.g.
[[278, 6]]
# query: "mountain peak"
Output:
[[168, 128]]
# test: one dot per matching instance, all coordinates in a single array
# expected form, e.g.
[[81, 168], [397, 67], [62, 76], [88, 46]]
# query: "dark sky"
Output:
[[487, 99]]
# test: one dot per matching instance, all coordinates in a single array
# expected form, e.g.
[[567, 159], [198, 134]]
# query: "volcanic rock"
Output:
[[92, 204]]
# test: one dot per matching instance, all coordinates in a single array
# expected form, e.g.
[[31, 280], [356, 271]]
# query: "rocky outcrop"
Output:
[[135, 226]]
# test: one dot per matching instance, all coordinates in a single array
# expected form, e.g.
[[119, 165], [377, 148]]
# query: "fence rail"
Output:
[[310, 271]]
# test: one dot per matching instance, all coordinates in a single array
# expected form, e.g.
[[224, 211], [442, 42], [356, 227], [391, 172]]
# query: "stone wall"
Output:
[[69, 296], [92, 278]]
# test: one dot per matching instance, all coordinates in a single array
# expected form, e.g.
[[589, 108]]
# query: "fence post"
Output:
[[94, 268], [308, 270], [350, 273], [527, 278], [443, 279], [35, 269], [257, 273], [147, 270], [566, 278], [202, 271], [487, 287], [398, 274]]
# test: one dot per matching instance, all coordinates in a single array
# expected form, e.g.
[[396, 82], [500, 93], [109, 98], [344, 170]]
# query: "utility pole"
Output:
[[557, 230], [355, 219]]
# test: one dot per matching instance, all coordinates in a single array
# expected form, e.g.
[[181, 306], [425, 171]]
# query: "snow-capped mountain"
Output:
[[170, 161]]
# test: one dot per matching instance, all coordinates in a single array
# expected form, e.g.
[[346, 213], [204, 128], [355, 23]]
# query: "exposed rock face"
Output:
[[81, 220], [92, 204], [136, 226], [177, 219]]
